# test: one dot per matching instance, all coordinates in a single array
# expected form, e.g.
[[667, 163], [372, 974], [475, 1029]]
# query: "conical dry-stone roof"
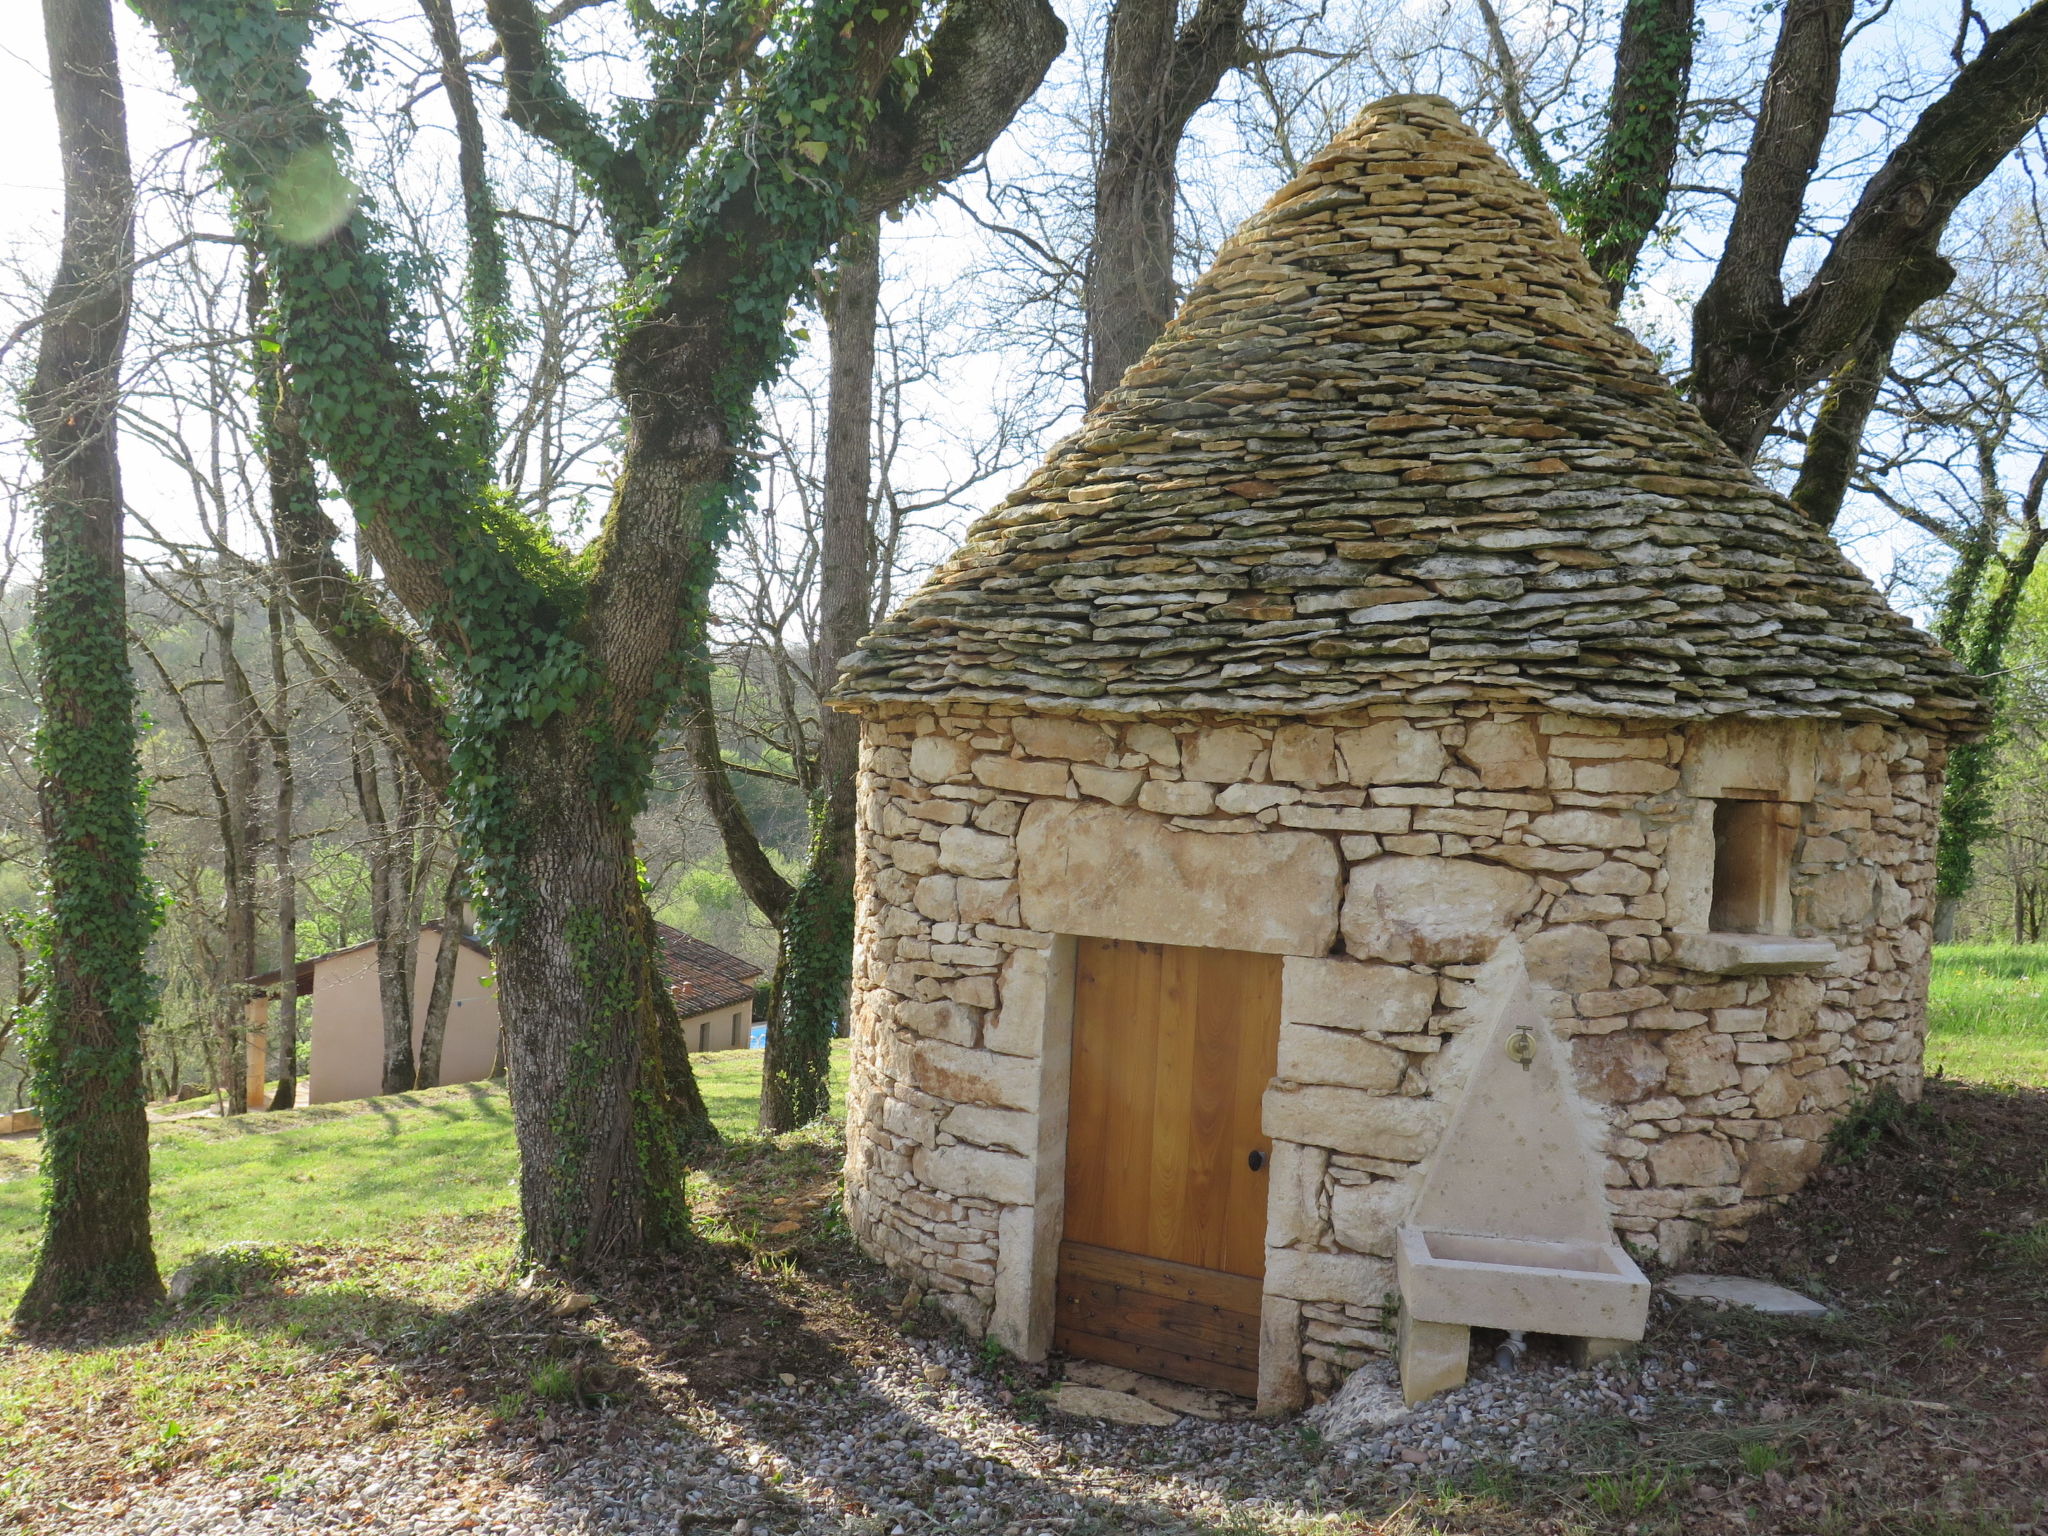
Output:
[[1396, 446]]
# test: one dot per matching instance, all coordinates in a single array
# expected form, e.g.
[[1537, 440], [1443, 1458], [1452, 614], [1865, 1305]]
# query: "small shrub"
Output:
[[1761, 1456], [1873, 1120], [553, 1382], [1624, 1495], [2029, 1248], [233, 1270]]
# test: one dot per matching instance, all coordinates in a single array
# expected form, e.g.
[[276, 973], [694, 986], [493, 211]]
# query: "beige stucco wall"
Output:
[[720, 1029], [348, 1021], [1385, 855]]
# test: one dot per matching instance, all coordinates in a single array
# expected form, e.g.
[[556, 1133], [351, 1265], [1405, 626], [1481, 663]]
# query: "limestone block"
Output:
[[974, 1173], [978, 855], [1309, 1055], [1772, 758], [1220, 754], [1392, 752], [1081, 741], [1620, 1068], [1366, 1217], [1779, 1167], [1432, 911], [1777, 1095], [1302, 1275], [1614, 878], [936, 898], [1305, 754], [1624, 776], [1349, 1120], [938, 759], [1096, 870], [1894, 901], [1250, 799], [942, 1020], [1118, 786], [1829, 1088], [914, 858], [1570, 959], [1794, 1007], [1294, 1194], [985, 901], [1693, 1160], [1506, 754], [1689, 871], [1021, 776], [1009, 1129], [1169, 797], [966, 1076], [1434, 1357], [1281, 1387], [1702, 1061], [1841, 899], [1156, 742], [1000, 817], [1588, 829], [1346, 994], [1018, 1025]]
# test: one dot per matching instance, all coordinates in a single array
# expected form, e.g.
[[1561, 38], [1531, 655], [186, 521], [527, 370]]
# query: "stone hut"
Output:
[[1394, 648]]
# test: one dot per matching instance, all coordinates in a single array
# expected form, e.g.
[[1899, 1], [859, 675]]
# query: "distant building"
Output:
[[713, 992]]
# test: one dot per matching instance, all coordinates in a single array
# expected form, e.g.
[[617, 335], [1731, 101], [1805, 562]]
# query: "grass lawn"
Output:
[[345, 1173], [1988, 1015]]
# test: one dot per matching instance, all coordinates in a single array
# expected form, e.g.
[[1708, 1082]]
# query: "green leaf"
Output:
[[813, 150]]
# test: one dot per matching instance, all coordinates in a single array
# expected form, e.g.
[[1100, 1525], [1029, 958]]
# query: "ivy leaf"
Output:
[[813, 150]]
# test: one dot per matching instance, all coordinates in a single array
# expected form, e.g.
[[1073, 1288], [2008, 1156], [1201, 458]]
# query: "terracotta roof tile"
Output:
[[703, 976], [1396, 446]]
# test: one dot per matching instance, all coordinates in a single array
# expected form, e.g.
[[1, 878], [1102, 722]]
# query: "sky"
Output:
[[30, 199]]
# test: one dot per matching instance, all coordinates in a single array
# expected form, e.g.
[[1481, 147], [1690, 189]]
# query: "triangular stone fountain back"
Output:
[[1510, 1227]]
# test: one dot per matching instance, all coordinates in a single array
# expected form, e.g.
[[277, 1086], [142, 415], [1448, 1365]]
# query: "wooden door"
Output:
[[1163, 1258]]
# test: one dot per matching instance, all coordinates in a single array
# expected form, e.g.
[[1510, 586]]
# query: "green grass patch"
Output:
[[349, 1173], [1987, 1016]]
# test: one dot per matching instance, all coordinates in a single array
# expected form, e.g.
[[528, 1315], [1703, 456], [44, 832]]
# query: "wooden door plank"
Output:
[[1162, 1277]]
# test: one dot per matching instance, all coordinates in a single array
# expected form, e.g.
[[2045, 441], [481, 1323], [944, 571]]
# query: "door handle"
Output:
[[1256, 1161]]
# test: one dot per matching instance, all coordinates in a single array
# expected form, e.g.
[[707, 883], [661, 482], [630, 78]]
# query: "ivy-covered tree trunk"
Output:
[[85, 1041], [566, 666], [589, 1030], [1976, 621], [441, 991], [814, 972]]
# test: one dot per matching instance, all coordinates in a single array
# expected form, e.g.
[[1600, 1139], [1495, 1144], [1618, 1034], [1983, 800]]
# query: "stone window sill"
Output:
[[1751, 954]]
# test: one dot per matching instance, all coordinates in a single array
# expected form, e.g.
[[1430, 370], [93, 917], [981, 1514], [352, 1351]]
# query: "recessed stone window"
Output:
[[1753, 866]]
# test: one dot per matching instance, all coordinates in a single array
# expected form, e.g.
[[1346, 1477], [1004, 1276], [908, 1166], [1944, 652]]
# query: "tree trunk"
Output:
[[1617, 204], [1156, 75], [390, 864], [284, 1028], [604, 1128], [434, 1027], [85, 1048], [815, 969], [238, 866]]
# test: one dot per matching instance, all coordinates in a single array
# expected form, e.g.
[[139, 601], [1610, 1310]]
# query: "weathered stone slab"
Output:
[[1741, 1291], [1336, 993], [1432, 910], [1350, 1120], [1104, 872]]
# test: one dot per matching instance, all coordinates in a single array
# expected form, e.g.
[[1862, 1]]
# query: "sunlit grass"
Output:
[[339, 1173], [1988, 1013]]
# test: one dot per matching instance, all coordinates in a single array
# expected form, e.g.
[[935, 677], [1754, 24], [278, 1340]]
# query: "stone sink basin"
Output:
[[1582, 1290]]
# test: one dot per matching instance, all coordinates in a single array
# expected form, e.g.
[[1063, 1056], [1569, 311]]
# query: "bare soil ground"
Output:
[[775, 1382]]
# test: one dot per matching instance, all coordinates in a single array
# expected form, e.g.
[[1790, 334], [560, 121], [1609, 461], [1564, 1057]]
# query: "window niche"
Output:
[[1752, 890]]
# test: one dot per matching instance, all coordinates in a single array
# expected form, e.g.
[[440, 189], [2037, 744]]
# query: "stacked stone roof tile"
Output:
[[1396, 448]]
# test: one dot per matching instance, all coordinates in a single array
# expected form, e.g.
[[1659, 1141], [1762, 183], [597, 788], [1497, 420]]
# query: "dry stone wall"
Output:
[[1385, 854]]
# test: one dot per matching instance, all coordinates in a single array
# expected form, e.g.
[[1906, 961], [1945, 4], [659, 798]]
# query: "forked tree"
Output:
[[84, 1042], [767, 132]]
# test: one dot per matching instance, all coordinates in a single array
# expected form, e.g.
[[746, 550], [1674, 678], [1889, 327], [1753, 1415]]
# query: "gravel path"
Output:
[[915, 1444]]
